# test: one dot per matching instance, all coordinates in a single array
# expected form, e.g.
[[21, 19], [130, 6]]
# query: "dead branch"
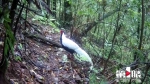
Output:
[[92, 24], [32, 10], [41, 39]]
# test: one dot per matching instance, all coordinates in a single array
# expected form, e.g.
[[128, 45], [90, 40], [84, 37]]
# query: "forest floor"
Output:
[[39, 59], [39, 63]]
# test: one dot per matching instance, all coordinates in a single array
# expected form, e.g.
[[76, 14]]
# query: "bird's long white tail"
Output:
[[84, 56]]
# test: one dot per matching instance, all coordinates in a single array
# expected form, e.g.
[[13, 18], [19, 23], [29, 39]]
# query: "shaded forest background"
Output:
[[115, 33]]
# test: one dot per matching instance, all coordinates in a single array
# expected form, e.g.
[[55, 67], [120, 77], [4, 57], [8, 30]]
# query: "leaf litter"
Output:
[[41, 63]]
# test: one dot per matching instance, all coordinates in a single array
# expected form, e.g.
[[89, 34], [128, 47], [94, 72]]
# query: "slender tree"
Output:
[[67, 14]]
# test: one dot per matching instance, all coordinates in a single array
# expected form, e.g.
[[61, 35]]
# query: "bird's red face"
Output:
[[61, 31]]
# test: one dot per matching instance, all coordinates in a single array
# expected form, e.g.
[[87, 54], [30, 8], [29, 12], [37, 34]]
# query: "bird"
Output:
[[68, 44], [72, 47]]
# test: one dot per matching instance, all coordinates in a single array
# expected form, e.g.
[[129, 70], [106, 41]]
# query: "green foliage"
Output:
[[94, 79], [10, 39], [47, 21], [41, 19], [101, 39], [20, 46], [18, 58]]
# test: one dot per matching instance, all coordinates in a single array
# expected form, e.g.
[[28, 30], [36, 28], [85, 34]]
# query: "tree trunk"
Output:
[[6, 48], [67, 14], [4, 64], [54, 8]]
